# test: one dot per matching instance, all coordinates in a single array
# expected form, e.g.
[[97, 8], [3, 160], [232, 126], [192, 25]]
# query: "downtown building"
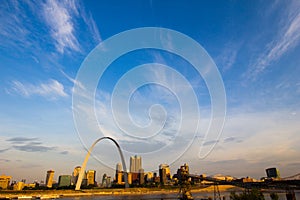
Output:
[[64, 181], [91, 178], [120, 175], [4, 181], [106, 181], [49, 178], [88, 179], [75, 175], [135, 164], [164, 174], [136, 175]]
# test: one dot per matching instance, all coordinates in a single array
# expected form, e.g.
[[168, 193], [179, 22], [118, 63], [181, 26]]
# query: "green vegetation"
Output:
[[248, 195], [274, 196]]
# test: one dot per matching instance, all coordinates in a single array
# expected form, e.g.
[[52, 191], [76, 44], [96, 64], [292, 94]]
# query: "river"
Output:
[[196, 196]]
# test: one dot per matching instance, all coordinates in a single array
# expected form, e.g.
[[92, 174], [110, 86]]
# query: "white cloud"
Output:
[[62, 18], [74, 81], [43, 29], [228, 56], [259, 140], [260, 137], [169, 134], [51, 89], [14, 33], [59, 16], [93, 29], [288, 38]]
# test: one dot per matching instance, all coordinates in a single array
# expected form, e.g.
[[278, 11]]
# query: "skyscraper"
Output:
[[106, 181], [91, 177], [64, 181], [164, 173], [119, 173], [273, 173], [141, 176], [49, 178], [119, 167], [4, 181], [75, 175], [135, 164]]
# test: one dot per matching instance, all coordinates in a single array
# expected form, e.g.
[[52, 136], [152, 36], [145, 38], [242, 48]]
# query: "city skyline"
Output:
[[255, 47], [163, 173]]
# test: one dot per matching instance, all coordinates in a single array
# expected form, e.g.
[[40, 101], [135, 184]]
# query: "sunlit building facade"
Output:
[[75, 175], [64, 180], [4, 181], [135, 164], [49, 178], [164, 173], [91, 177], [273, 173]]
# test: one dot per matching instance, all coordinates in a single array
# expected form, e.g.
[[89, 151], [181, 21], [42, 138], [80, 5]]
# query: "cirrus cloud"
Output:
[[52, 89]]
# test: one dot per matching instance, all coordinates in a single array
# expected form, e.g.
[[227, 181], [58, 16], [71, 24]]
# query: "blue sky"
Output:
[[254, 44]]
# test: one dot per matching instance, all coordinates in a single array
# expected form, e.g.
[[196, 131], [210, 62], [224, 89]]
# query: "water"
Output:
[[196, 196]]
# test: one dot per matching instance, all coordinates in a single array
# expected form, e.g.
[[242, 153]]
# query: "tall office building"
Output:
[[106, 181], [135, 164], [119, 167], [49, 178], [149, 176], [119, 178], [64, 181], [4, 181], [91, 177], [119, 173], [141, 176], [75, 175], [129, 178], [273, 173], [164, 173]]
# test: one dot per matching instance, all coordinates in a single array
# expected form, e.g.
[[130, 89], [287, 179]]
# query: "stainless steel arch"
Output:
[[80, 176]]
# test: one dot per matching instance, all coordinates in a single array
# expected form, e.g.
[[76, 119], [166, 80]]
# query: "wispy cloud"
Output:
[[58, 15], [91, 24], [232, 139], [173, 135], [29, 144], [74, 81], [279, 130], [64, 152], [52, 89], [61, 21], [3, 150], [20, 140], [288, 37], [62, 18], [33, 148], [228, 56], [211, 142], [14, 33]]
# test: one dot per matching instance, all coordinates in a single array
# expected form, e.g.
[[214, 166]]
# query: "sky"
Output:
[[75, 71]]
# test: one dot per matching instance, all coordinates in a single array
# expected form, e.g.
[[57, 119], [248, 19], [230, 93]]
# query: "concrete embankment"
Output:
[[50, 194]]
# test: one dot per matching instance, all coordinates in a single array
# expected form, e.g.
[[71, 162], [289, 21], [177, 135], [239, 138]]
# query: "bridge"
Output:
[[288, 183], [294, 177]]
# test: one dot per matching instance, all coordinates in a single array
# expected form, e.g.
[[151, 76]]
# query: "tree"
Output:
[[274, 196], [254, 194]]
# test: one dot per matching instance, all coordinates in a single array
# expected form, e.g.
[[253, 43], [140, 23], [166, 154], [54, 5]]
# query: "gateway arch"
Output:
[[82, 171]]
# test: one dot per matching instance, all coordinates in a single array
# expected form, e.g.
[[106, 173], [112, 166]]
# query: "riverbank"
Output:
[[50, 194], [222, 188]]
